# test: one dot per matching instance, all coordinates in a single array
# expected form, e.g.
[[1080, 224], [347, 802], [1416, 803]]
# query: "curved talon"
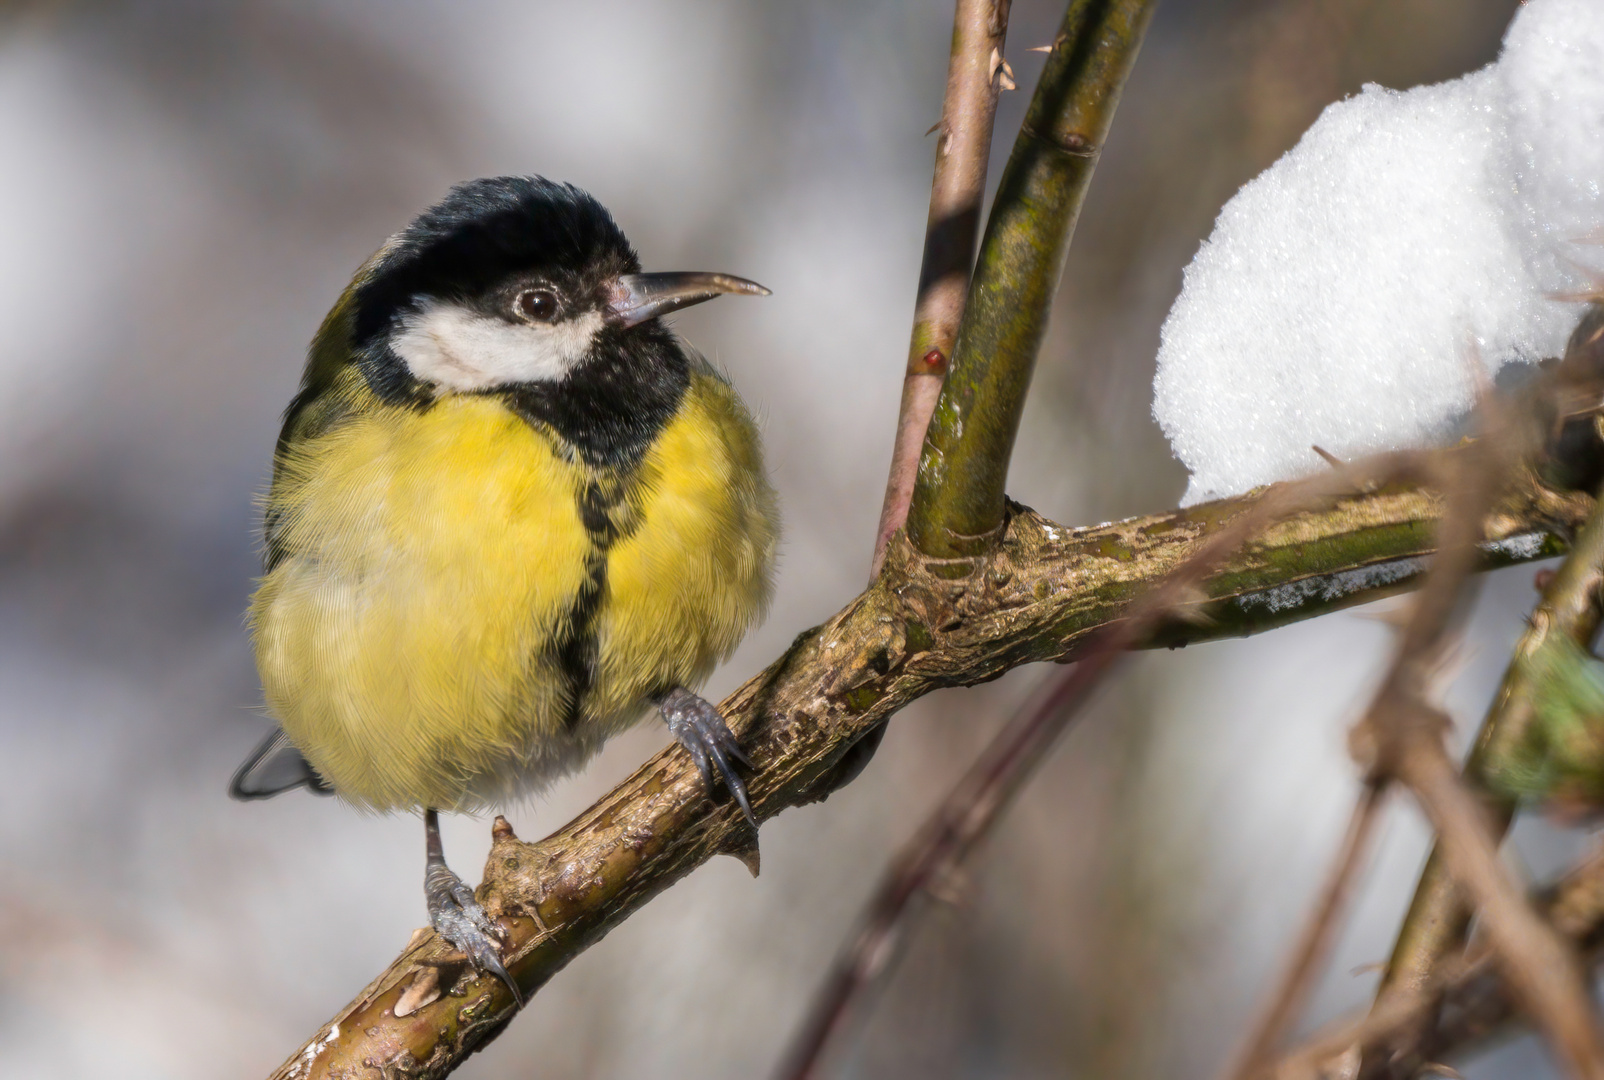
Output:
[[699, 728], [457, 916]]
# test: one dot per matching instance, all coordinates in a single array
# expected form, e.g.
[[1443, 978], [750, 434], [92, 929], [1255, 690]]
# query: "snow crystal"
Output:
[[1521, 548], [1348, 294], [1296, 594]]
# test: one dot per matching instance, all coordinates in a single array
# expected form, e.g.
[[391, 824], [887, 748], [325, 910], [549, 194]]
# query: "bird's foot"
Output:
[[699, 728], [457, 917]]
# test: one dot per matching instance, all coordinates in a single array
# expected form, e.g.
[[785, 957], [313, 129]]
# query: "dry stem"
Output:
[[1538, 965], [1438, 916], [1475, 1004]]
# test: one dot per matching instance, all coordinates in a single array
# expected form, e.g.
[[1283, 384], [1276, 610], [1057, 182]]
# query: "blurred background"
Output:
[[188, 185]]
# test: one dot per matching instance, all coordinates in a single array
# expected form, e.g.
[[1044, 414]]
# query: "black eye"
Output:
[[536, 305]]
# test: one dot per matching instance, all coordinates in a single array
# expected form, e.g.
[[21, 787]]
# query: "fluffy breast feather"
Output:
[[684, 587], [429, 559]]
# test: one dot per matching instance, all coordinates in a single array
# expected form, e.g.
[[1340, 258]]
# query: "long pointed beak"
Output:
[[638, 297]]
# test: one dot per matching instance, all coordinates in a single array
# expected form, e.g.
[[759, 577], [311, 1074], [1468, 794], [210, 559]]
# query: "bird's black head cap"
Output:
[[522, 288], [483, 232], [466, 250]]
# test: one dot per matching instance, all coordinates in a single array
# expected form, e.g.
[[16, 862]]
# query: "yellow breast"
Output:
[[432, 560]]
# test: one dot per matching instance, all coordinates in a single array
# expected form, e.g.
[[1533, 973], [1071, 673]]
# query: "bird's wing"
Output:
[[274, 767]]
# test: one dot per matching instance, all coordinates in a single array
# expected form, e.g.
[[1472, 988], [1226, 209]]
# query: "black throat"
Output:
[[611, 407]]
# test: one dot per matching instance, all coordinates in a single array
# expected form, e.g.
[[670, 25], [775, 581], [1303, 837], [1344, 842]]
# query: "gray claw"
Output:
[[457, 917], [699, 728]]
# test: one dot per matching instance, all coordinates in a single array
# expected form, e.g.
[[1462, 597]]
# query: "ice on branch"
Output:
[[1349, 293]]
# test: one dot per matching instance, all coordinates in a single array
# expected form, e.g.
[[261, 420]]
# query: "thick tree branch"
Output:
[[963, 148], [1041, 594], [958, 497]]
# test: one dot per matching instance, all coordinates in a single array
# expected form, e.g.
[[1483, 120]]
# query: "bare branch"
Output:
[[1474, 1003], [1401, 736], [962, 153], [971, 811], [1438, 916]]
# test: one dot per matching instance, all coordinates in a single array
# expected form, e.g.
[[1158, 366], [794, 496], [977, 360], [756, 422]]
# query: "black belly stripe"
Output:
[[577, 649]]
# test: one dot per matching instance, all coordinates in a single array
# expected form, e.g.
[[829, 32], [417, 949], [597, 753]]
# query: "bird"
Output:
[[511, 513]]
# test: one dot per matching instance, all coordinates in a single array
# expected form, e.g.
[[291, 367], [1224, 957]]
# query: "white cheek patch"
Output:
[[460, 349]]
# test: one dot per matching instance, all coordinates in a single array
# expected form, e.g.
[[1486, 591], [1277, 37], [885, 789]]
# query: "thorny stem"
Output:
[[958, 500], [963, 148], [1285, 1003]]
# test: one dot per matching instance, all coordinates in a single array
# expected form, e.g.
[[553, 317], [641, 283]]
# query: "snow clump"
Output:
[[1348, 294]]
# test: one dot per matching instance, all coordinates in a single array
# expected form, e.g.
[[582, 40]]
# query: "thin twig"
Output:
[[962, 153], [1475, 1002], [1375, 1028], [1286, 1001]]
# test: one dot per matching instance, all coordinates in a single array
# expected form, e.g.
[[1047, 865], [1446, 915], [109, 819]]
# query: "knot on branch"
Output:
[[942, 594]]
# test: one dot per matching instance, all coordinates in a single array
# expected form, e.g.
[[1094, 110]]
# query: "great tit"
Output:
[[510, 513]]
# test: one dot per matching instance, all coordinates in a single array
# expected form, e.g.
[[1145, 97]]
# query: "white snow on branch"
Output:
[[1349, 293]]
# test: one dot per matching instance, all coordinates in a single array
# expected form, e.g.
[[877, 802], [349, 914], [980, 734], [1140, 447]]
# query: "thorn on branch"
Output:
[[1001, 73], [1330, 459]]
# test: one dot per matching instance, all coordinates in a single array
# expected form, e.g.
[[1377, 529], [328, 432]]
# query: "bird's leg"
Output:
[[455, 914], [704, 734]]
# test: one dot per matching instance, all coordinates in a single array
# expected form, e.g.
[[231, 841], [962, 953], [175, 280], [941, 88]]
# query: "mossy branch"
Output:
[[1041, 593], [958, 501]]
